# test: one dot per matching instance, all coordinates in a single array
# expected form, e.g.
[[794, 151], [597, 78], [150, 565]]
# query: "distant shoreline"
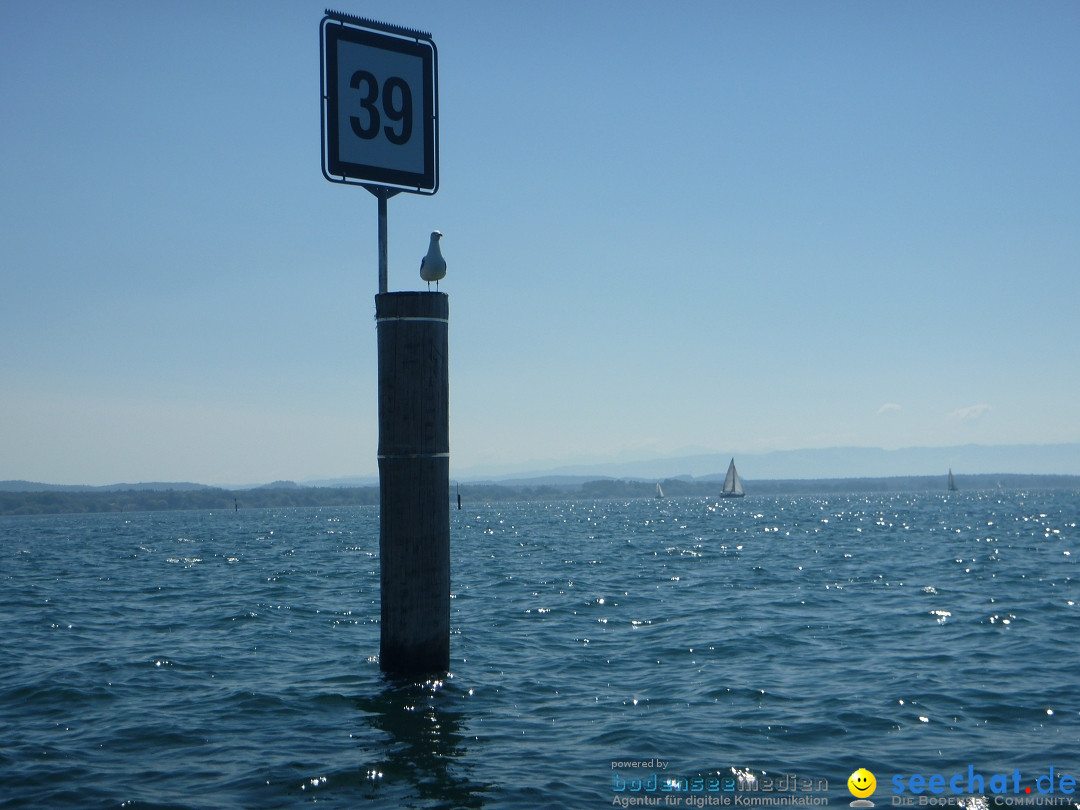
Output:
[[88, 500]]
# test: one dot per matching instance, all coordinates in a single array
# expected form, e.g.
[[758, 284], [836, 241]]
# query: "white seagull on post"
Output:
[[433, 265]]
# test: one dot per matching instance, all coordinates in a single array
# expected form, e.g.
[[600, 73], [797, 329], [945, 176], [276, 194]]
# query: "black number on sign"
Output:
[[401, 113], [367, 103]]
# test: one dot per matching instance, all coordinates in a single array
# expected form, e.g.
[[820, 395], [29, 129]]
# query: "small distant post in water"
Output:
[[414, 482]]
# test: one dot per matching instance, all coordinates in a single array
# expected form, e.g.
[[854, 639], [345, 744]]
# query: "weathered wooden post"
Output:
[[414, 482]]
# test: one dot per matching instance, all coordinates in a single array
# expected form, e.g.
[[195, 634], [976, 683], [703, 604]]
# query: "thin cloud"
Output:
[[972, 412], [889, 407]]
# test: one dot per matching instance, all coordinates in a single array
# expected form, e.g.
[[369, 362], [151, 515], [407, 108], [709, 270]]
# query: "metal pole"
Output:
[[382, 195]]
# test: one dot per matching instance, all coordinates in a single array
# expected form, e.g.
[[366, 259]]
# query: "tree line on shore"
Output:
[[141, 500], [292, 496]]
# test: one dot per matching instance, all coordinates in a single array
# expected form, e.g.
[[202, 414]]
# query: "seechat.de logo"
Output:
[[862, 785]]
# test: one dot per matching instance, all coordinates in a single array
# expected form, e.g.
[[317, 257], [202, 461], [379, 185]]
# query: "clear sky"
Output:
[[730, 226]]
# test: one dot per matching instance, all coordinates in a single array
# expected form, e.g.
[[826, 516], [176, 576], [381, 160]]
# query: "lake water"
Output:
[[609, 653]]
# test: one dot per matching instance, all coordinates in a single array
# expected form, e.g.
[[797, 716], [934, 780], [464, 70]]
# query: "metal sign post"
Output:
[[383, 194]]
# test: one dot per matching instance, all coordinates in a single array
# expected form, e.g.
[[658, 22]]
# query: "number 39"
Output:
[[401, 113]]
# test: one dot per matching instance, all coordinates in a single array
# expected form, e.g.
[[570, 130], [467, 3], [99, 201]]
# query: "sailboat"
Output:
[[952, 481], [732, 483], [659, 492]]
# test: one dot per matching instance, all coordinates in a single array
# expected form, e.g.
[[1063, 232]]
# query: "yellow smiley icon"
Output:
[[862, 783]]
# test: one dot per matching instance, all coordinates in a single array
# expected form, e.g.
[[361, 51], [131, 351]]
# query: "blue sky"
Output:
[[722, 226]]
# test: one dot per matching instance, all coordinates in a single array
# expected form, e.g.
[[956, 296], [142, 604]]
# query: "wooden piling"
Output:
[[414, 482]]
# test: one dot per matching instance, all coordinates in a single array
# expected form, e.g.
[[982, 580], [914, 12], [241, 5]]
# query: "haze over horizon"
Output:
[[807, 464], [750, 227]]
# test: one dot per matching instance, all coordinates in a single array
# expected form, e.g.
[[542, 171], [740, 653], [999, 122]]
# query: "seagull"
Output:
[[433, 265]]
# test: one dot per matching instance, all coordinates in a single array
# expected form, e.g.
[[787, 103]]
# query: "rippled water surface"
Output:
[[203, 660]]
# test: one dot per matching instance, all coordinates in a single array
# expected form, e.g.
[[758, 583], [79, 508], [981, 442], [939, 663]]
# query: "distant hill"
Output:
[[833, 462], [347, 481], [836, 463], [103, 499], [685, 486], [31, 486], [222, 500]]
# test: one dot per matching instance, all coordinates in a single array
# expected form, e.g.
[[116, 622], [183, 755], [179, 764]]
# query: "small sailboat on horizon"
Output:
[[732, 483], [659, 491], [952, 481]]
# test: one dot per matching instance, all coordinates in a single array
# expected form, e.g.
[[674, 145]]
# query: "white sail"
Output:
[[659, 492], [732, 483], [952, 482]]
